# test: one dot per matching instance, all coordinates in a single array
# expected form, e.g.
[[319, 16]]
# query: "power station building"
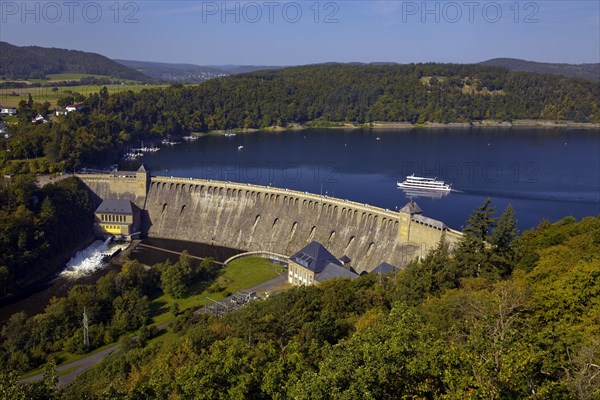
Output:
[[119, 218]]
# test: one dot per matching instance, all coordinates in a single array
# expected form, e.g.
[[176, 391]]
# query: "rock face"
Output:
[[257, 218]]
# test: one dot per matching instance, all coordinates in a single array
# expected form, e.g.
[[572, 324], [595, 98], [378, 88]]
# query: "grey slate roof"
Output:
[[345, 259], [142, 168], [383, 268], [315, 257], [332, 270], [110, 206], [411, 208], [429, 221]]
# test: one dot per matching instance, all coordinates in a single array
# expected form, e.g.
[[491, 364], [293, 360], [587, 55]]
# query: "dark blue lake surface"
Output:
[[543, 173]]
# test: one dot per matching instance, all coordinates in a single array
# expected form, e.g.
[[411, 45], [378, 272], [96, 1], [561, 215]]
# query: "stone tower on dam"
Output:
[[258, 218]]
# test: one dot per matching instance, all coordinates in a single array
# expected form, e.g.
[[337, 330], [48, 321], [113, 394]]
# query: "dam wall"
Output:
[[121, 185], [258, 218]]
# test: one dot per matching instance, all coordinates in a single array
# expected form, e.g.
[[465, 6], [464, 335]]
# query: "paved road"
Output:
[[78, 367]]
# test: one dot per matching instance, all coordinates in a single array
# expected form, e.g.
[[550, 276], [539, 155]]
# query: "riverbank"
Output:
[[523, 123]]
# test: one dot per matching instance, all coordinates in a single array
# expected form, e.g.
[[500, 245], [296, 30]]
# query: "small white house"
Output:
[[60, 111], [8, 110], [39, 120], [73, 107]]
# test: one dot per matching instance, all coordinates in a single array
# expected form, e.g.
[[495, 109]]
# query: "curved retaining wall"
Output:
[[258, 218]]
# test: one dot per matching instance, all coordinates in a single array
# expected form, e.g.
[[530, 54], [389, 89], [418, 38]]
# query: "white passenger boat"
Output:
[[421, 183]]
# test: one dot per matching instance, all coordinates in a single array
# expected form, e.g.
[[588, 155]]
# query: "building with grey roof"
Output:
[[384, 269], [120, 218], [313, 264]]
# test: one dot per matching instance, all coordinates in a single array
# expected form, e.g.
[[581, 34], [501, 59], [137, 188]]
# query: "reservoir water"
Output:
[[543, 173]]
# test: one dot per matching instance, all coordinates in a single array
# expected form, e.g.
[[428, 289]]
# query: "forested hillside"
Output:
[[363, 94], [358, 94], [39, 228], [514, 320], [33, 62], [584, 71]]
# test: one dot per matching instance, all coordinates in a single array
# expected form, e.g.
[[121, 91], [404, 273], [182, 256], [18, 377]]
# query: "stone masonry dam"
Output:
[[258, 218]]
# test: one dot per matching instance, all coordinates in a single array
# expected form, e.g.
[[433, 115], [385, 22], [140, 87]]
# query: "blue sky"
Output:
[[304, 32]]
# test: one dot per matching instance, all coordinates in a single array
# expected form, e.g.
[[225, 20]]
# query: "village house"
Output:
[[39, 119], [7, 111], [73, 107]]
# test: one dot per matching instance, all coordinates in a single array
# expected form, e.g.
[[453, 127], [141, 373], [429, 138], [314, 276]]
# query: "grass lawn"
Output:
[[240, 274], [11, 97], [11, 119], [72, 77]]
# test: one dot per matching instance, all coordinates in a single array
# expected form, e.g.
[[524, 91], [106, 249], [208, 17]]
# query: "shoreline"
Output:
[[522, 123]]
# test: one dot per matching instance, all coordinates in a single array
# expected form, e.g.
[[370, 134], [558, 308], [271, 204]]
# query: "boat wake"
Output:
[[90, 259], [586, 198]]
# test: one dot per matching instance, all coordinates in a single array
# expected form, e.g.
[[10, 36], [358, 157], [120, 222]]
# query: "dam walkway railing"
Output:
[[280, 258]]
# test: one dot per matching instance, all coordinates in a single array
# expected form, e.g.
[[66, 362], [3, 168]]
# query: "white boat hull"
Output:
[[417, 187]]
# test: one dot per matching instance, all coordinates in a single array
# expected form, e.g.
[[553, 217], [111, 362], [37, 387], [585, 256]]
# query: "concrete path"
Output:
[[78, 367]]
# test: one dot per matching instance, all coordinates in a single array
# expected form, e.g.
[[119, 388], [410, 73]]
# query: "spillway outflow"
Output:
[[90, 259]]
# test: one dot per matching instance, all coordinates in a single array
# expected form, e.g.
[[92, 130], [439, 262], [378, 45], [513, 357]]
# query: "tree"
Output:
[[134, 275], [502, 238], [10, 388], [174, 282], [471, 253], [505, 230], [481, 222], [175, 278], [131, 311], [50, 380]]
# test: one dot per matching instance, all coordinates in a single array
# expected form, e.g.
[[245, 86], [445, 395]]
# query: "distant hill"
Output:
[[33, 62], [585, 71], [242, 69], [189, 73]]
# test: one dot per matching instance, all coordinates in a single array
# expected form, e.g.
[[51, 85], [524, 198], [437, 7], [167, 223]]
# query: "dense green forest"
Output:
[[516, 318], [359, 94], [584, 71], [39, 227], [34, 62]]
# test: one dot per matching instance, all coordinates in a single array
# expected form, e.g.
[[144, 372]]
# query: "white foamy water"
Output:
[[90, 259]]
